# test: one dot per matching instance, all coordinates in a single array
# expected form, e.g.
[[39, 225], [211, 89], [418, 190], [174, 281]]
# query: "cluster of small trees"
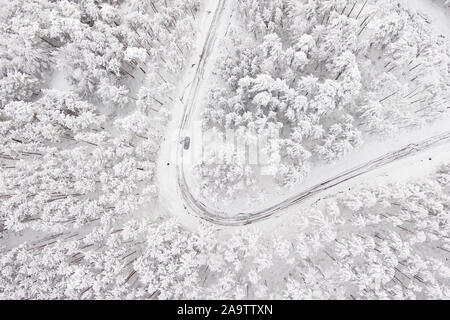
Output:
[[75, 265], [61, 168], [69, 158], [316, 77], [100, 45], [389, 241], [223, 173], [76, 163], [25, 58], [386, 241]]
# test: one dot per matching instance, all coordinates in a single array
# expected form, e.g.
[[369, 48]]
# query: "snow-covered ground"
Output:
[[167, 173], [90, 183]]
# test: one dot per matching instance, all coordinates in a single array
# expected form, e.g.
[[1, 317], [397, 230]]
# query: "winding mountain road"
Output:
[[198, 208]]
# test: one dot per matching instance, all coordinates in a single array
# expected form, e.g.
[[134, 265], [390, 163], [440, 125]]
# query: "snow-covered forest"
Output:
[[99, 102], [87, 152], [376, 242], [318, 78]]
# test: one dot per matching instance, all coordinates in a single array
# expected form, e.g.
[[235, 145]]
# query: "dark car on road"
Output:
[[187, 143]]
